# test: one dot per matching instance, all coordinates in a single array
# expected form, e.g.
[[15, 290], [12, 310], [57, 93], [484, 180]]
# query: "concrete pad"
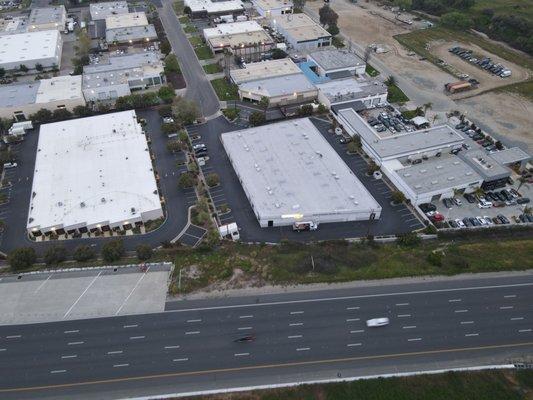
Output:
[[91, 293]]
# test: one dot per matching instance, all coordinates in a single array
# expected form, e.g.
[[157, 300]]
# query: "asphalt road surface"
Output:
[[298, 337]]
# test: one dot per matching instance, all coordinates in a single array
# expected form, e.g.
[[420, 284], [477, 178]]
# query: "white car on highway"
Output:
[[375, 322]]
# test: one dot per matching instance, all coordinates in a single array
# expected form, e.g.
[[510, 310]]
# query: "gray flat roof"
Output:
[[335, 59], [130, 33], [47, 15], [279, 85], [289, 168], [405, 143], [263, 70], [510, 156], [351, 89], [485, 164], [19, 94], [438, 173]]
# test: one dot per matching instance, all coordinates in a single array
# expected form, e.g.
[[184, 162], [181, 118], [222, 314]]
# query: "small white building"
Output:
[[264, 70], [270, 8], [92, 175], [301, 32], [100, 11], [338, 92], [30, 49], [209, 8], [46, 18], [333, 63]]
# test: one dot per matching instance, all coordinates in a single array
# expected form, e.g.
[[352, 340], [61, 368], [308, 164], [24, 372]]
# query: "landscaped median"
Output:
[[225, 90]]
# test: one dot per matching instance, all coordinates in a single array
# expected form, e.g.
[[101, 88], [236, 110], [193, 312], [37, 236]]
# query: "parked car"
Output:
[[498, 204], [515, 193], [427, 207], [448, 203], [168, 120], [453, 224], [470, 198], [460, 223], [484, 204], [496, 220], [457, 201], [488, 220], [511, 202], [503, 219], [467, 222], [523, 200]]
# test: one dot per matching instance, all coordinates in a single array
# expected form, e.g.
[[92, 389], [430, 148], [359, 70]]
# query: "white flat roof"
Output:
[[300, 26], [214, 6], [272, 4], [263, 70], [94, 170], [126, 20], [232, 29], [22, 47], [64, 87], [279, 85], [289, 168], [103, 10]]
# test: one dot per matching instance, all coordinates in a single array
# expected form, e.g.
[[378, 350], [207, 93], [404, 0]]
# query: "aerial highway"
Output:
[[298, 336]]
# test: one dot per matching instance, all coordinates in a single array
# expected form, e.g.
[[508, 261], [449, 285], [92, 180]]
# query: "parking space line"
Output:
[[132, 290], [81, 295]]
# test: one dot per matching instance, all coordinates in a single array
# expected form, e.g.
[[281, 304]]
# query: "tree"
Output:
[[456, 20], [522, 180], [83, 253], [187, 10], [398, 197], [82, 111], [21, 258], [256, 118], [113, 250], [264, 103], [333, 30], [61, 114], [23, 68], [165, 111], [212, 180], [174, 146], [165, 46], [278, 54], [169, 129], [186, 180], [403, 4], [2, 72], [167, 94], [83, 44], [354, 146], [427, 106], [55, 255], [42, 116], [299, 4], [327, 16], [186, 111], [171, 64], [478, 192], [39, 67], [144, 252], [371, 168], [391, 80], [305, 110]]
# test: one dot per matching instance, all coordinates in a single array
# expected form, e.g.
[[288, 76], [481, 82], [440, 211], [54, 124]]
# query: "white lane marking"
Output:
[[72, 331], [245, 316], [296, 312], [3, 349], [352, 308], [194, 320], [294, 336], [131, 292], [454, 300], [120, 365], [414, 339], [136, 337], [403, 315], [358, 331], [352, 319], [114, 352], [130, 326], [303, 349], [353, 344], [460, 311], [517, 319], [42, 284], [524, 330], [58, 371], [81, 295], [192, 333], [506, 307], [509, 296], [172, 347], [244, 328], [180, 359], [402, 304], [13, 336], [409, 327], [471, 334], [74, 343], [466, 322], [296, 324], [241, 354], [274, 303], [70, 356]]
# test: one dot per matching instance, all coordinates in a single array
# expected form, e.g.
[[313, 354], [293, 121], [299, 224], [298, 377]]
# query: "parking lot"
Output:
[[100, 292], [395, 219]]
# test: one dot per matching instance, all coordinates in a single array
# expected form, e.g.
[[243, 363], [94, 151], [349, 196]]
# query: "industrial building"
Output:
[[290, 173], [100, 11], [30, 49], [334, 64], [360, 93], [132, 35], [126, 20], [46, 18], [264, 70], [12, 25], [301, 32], [270, 8], [120, 75], [494, 174], [92, 175], [21, 100], [209, 8]]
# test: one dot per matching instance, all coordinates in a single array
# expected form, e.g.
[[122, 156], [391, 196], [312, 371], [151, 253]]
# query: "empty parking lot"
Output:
[[100, 292]]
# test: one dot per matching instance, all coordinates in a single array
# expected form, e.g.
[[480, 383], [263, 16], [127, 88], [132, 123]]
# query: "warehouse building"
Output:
[[334, 64], [133, 35], [126, 20], [30, 49], [360, 93], [43, 19], [12, 25], [120, 75], [264, 70], [92, 175], [209, 8], [290, 173], [494, 174], [21, 100], [270, 8], [100, 11], [301, 32]]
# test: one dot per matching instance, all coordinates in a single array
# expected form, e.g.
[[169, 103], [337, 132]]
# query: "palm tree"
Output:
[[456, 192], [479, 192], [521, 182], [427, 106], [527, 210], [264, 103]]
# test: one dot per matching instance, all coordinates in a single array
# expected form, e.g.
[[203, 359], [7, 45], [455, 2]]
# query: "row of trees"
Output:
[[25, 257], [329, 18]]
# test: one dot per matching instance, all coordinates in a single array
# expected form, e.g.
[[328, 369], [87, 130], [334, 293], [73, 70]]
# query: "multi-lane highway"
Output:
[[299, 336]]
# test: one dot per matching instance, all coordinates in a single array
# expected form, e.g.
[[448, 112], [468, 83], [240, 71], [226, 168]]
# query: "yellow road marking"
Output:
[[267, 366]]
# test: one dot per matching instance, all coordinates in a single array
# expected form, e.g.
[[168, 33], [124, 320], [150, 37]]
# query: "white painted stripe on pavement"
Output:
[[241, 354], [70, 356], [414, 339], [517, 318], [296, 324], [58, 371], [72, 331], [114, 352], [353, 344], [466, 322], [74, 343], [294, 336], [352, 319], [130, 326], [471, 334], [172, 347], [524, 330], [403, 315], [506, 307], [303, 349], [120, 365], [136, 337], [192, 333], [460, 311], [358, 331], [244, 328]]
